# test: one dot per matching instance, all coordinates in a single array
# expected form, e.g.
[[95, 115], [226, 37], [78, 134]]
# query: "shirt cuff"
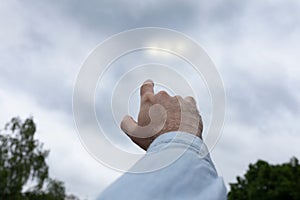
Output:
[[178, 140]]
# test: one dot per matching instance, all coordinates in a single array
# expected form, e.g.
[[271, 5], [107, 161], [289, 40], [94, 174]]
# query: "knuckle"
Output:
[[163, 94], [148, 97], [178, 97], [145, 85], [190, 99]]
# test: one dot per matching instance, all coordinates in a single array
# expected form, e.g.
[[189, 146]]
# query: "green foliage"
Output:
[[22, 163], [55, 191], [263, 181]]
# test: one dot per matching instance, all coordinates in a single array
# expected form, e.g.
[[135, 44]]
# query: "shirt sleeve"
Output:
[[175, 167]]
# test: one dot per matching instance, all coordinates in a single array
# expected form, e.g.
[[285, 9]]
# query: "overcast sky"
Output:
[[254, 44]]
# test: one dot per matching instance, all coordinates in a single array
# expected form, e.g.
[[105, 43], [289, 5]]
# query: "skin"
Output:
[[161, 113]]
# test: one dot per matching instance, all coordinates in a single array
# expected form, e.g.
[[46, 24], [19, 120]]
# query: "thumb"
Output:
[[128, 125], [131, 128]]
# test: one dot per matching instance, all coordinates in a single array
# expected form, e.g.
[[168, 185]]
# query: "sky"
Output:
[[255, 46]]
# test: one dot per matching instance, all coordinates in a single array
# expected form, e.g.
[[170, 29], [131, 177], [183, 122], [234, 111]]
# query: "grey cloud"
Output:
[[225, 21], [39, 54], [256, 100], [114, 16], [46, 41]]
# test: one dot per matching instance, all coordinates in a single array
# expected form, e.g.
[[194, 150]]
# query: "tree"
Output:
[[263, 181], [23, 164]]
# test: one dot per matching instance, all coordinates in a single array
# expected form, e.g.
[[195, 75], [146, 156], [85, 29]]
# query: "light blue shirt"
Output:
[[189, 177]]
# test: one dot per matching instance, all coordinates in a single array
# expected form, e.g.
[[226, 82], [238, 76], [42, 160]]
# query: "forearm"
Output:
[[193, 174], [173, 169]]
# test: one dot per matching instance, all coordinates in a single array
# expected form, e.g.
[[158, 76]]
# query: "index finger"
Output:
[[147, 87]]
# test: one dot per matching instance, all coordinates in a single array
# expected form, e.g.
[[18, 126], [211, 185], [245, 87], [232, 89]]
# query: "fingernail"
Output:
[[149, 81]]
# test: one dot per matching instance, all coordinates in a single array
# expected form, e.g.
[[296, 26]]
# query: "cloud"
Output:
[[113, 16], [68, 159], [41, 53], [256, 99], [254, 44], [257, 58]]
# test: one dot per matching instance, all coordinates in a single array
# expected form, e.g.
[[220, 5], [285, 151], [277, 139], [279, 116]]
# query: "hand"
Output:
[[161, 113]]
